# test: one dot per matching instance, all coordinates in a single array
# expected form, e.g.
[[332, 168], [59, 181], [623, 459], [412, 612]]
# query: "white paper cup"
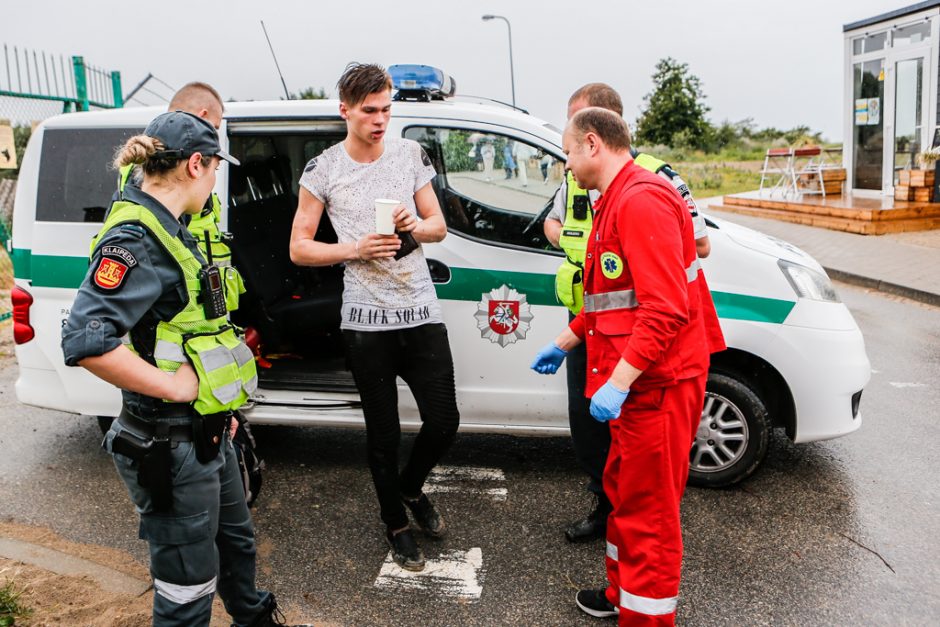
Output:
[[384, 208]]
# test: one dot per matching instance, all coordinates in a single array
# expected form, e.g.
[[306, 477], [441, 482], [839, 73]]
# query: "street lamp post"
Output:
[[512, 74]]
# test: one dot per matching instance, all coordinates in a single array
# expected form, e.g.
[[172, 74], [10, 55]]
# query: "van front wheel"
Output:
[[732, 437]]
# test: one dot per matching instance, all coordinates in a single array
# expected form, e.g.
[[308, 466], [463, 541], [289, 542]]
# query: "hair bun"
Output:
[[136, 150]]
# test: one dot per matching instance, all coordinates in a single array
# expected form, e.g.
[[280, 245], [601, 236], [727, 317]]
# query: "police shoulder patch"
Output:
[[116, 263]]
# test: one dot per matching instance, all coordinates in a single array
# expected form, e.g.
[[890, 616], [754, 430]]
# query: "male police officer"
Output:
[[567, 226], [203, 101]]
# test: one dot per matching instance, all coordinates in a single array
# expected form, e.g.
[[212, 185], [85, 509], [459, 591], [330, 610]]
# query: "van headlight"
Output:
[[808, 283]]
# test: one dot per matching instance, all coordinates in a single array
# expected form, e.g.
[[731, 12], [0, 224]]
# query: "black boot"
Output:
[[273, 617], [592, 527]]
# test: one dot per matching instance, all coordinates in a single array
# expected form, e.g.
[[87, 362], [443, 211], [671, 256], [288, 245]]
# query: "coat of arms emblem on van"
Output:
[[503, 316]]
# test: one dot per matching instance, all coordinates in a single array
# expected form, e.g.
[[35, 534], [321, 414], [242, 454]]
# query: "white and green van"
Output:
[[796, 358]]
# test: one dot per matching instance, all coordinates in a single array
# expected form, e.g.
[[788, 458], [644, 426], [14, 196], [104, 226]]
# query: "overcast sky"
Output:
[[779, 62]]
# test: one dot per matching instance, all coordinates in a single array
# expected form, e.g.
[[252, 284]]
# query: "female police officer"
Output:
[[149, 319]]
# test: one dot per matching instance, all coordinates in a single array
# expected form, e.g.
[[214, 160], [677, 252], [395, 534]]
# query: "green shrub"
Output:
[[10, 606]]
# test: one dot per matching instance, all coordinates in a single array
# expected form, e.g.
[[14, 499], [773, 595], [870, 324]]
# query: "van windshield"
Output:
[[76, 181]]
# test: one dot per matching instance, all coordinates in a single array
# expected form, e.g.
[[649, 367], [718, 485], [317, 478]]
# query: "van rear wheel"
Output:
[[104, 423], [732, 437]]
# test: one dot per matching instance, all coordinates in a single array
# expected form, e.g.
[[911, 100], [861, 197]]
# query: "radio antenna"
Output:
[[283, 84]]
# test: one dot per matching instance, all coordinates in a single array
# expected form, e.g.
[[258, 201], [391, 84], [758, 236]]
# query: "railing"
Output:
[[40, 76]]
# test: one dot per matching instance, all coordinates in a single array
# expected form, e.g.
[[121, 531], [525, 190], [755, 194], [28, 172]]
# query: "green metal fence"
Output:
[[37, 85], [72, 83]]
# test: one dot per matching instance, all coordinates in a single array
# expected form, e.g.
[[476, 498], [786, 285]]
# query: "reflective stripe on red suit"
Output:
[[642, 221]]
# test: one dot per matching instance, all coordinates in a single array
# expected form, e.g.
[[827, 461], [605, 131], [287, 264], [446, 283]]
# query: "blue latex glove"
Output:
[[607, 401], [549, 359]]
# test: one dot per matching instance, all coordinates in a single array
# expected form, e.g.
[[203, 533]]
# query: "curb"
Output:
[[69, 565], [912, 293]]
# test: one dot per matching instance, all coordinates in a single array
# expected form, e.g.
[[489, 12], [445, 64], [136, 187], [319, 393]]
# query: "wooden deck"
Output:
[[866, 216]]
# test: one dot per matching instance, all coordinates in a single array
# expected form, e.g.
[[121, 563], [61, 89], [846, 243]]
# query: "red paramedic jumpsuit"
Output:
[[643, 303]]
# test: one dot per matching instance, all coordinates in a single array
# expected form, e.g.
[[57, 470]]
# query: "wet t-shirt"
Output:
[[381, 294]]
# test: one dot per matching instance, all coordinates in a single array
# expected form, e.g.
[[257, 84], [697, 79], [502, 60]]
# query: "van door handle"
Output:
[[440, 273]]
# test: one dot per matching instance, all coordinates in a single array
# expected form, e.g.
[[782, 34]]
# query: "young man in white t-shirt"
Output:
[[391, 318]]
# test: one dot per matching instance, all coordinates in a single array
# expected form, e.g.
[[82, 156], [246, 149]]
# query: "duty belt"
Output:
[[149, 429], [626, 299]]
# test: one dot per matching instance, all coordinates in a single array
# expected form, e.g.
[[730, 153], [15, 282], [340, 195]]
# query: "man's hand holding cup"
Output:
[[383, 243]]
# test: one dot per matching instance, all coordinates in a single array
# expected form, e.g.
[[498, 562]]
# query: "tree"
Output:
[[674, 112], [310, 93]]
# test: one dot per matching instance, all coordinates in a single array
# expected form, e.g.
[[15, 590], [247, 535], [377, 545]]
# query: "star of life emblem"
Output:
[[503, 316]]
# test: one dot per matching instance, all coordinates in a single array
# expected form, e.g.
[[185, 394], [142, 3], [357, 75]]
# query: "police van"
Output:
[[795, 361]]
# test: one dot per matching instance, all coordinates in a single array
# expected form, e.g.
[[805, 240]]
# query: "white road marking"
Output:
[[469, 473], [497, 494], [903, 384], [467, 480], [456, 575]]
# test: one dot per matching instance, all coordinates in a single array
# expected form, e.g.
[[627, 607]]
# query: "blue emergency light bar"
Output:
[[421, 82]]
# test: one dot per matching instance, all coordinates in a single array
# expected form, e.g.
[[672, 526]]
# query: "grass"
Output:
[[10, 606], [732, 170], [718, 179]]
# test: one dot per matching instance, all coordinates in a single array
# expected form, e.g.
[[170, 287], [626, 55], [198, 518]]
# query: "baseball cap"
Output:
[[184, 134]]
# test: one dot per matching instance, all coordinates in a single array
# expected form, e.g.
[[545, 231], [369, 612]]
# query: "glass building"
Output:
[[891, 109]]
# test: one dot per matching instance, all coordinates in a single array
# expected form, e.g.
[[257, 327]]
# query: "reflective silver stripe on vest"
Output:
[[242, 354], [647, 605], [183, 594], [215, 358], [168, 351], [126, 339], [626, 299], [612, 552], [251, 385], [227, 393]]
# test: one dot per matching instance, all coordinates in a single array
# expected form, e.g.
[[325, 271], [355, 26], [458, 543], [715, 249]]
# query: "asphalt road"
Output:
[[838, 532]]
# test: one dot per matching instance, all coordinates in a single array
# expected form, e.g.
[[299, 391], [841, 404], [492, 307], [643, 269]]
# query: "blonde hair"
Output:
[[599, 95], [195, 96], [140, 150]]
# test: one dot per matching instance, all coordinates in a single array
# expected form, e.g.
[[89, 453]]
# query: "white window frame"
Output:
[[930, 49]]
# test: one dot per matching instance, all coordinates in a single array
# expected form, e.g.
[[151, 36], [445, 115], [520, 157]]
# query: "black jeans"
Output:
[[591, 439], [421, 357]]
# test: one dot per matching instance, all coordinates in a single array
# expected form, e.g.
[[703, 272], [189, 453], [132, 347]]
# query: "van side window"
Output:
[[490, 186], [76, 181]]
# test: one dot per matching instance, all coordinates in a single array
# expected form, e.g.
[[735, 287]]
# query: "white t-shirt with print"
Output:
[[381, 294]]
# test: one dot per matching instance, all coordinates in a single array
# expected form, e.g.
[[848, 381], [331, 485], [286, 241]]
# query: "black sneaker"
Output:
[[426, 515], [272, 616], [595, 603], [405, 550]]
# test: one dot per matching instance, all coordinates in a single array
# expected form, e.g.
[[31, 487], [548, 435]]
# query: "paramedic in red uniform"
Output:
[[647, 363]]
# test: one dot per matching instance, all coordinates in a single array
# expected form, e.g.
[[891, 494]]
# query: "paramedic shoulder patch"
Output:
[[116, 262], [611, 265]]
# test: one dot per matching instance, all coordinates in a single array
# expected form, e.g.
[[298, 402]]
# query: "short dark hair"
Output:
[[599, 95], [359, 80], [193, 96], [606, 124]]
